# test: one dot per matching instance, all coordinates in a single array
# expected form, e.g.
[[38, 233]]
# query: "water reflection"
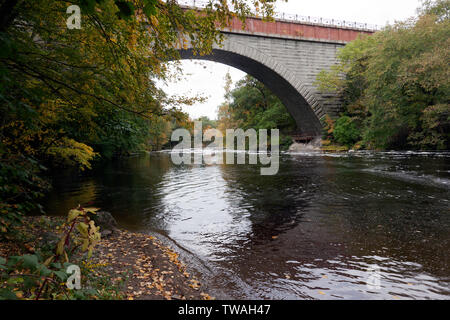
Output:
[[311, 232]]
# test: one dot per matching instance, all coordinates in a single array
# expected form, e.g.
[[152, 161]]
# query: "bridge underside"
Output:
[[301, 110]]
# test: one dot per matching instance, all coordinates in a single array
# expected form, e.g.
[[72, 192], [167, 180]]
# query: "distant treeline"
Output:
[[251, 105]]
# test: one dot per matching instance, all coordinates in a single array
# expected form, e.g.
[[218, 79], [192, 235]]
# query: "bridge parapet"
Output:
[[296, 18]]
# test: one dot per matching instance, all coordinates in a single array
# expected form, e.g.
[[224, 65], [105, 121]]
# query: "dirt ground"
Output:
[[156, 271], [144, 267]]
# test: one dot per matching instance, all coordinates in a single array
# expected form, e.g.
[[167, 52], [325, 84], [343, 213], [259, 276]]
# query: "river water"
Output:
[[328, 226]]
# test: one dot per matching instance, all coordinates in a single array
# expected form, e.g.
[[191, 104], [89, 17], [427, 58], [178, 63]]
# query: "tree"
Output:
[[251, 105], [225, 118], [346, 132], [438, 8], [69, 96], [207, 123], [395, 84]]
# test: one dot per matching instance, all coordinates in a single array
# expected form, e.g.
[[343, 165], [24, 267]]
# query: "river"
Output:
[[363, 225]]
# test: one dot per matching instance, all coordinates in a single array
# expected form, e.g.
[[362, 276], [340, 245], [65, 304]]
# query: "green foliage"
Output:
[[435, 128], [439, 8], [43, 275], [68, 97], [395, 84], [95, 86], [346, 132], [24, 277], [252, 105], [207, 123], [20, 188]]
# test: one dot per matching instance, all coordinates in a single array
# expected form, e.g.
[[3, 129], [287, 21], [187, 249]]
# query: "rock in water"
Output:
[[106, 222], [306, 147]]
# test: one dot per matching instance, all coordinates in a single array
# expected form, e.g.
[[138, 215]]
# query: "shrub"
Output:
[[346, 131], [42, 275]]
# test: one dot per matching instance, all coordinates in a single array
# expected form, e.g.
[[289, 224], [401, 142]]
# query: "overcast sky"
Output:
[[207, 78]]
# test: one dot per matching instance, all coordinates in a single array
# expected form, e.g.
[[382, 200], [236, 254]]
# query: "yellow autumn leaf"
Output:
[[73, 214], [91, 210], [60, 247]]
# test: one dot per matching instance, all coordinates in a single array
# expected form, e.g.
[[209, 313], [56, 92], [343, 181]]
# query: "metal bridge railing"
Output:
[[297, 18]]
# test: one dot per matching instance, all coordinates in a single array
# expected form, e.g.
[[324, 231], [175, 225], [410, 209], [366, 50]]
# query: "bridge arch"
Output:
[[299, 101]]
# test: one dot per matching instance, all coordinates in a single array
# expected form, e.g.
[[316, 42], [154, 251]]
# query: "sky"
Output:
[[208, 78]]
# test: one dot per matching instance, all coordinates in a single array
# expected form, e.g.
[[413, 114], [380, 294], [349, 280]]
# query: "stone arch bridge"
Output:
[[286, 55]]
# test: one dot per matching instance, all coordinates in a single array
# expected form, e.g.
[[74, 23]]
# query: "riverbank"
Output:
[[154, 270], [124, 265]]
